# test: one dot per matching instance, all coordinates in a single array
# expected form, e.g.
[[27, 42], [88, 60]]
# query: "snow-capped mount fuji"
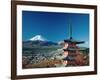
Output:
[[38, 38]]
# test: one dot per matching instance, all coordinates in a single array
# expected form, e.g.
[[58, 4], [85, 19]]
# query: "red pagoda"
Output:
[[73, 56]]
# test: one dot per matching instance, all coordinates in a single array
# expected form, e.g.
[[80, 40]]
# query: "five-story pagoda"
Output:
[[72, 52]]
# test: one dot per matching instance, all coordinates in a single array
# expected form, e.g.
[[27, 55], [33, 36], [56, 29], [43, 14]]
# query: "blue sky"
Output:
[[54, 26]]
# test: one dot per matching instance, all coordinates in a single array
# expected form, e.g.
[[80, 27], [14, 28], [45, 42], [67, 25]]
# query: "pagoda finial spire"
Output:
[[70, 30]]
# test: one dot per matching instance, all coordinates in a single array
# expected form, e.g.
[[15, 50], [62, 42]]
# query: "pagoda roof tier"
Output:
[[74, 49], [69, 58], [73, 41]]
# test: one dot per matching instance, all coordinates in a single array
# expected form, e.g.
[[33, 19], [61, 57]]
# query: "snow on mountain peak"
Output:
[[38, 37]]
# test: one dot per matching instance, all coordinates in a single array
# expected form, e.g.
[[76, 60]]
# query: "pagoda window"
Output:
[[72, 45]]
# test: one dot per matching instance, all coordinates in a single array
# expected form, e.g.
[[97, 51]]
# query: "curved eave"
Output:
[[73, 41], [73, 49]]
